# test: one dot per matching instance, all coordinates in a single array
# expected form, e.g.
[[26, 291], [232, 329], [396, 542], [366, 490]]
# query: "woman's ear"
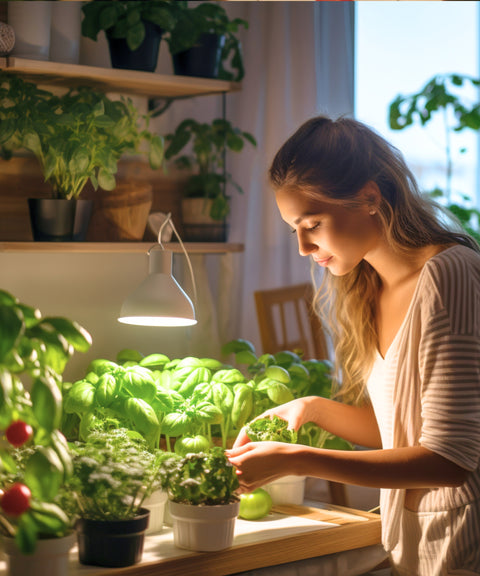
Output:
[[370, 195]]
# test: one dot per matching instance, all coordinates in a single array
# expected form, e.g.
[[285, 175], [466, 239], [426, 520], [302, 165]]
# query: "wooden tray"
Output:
[[290, 533]]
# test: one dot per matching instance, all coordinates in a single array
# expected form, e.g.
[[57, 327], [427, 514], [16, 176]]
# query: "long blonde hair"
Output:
[[334, 159]]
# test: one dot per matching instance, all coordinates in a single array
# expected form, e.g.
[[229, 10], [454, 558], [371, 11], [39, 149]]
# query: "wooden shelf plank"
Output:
[[115, 80], [118, 247]]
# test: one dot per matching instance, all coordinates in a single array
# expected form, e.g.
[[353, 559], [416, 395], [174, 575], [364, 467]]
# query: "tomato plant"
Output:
[[255, 505], [18, 433], [16, 500]]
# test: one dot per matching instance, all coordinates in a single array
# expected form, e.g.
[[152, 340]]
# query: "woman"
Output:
[[402, 291]]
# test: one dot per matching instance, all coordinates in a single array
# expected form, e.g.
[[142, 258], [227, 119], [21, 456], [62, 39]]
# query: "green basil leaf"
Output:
[[44, 473], [73, 333], [47, 402], [11, 328]]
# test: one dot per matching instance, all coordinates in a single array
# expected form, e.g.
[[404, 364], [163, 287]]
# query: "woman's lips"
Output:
[[323, 261]]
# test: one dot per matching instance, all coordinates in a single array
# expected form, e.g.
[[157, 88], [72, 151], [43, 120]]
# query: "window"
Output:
[[399, 46]]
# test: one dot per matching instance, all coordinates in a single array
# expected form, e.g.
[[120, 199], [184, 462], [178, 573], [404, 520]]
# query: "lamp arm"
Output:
[[168, 220]]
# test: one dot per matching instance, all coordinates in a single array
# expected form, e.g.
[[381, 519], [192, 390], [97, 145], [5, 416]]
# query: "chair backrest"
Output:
[[287, 321]]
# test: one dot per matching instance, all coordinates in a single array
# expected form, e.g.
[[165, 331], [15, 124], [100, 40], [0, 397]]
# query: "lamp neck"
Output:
[[160, 262]]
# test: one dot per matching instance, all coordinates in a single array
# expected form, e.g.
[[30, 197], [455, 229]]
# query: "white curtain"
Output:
[[299, 63]]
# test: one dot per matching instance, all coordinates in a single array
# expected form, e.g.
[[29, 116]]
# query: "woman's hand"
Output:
[[258, 463], [294, 412]]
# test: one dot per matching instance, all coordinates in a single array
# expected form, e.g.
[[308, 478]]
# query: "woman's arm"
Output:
[[357, 424], [412, 467]]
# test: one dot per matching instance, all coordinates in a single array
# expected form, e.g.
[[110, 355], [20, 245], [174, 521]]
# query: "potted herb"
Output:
[[77, 138], [203, 504], [35, 460], [448, 94], [204, 42], [288, 489], [205, 205], [114, 472], [133, 29]]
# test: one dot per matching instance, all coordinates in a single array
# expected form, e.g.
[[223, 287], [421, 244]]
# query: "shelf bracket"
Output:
[[157, 106]]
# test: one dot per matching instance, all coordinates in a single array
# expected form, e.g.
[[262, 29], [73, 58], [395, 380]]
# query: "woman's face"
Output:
[[336, 237]]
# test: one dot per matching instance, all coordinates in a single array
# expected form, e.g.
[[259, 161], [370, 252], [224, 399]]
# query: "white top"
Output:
[[426, 391]]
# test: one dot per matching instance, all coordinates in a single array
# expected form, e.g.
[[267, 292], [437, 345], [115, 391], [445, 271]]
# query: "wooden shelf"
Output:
[[114, 80], [118, 247]]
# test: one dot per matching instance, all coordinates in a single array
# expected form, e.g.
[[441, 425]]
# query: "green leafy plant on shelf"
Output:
[[206, 159], [203, 478], [444, 94], [35, 461], [208, 18], [126, 20], [77, 137]]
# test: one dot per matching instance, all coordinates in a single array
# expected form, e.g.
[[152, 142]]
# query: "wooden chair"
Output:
[[287, 321]]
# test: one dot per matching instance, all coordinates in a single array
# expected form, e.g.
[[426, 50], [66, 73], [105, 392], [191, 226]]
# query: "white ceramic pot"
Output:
[[203, 528], [31, 22], [287, 490], [156, 503], [65, 32], [51, 557]]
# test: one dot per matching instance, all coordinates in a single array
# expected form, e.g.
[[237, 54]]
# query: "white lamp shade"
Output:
[[159, 300]]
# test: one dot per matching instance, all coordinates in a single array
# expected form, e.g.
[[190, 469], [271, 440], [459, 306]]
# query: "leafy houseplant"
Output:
[[77, 137], [35, 460], [208, 144], [194, 29], [113, 474], [133, 29], [201, 486], [443, 94]]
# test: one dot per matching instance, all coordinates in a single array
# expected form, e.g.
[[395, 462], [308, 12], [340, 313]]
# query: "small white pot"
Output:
[[287, 490], [156, 504], [203, 528], [51, 557], [31, 23]]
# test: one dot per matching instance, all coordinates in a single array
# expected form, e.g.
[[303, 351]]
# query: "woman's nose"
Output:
[[305, 248]]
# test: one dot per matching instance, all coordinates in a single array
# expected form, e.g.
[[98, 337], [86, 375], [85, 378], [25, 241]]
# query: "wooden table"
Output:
[[291, 533]]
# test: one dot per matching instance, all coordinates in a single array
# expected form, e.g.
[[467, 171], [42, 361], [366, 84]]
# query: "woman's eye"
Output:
[[314, 227]]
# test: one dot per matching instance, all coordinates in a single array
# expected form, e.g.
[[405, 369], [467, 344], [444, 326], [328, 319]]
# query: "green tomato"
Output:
[[255, 505], [188, 445]]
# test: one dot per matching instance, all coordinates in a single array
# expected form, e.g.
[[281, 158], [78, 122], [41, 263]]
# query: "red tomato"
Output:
[[16, 500], [18, 433], [255, 505]]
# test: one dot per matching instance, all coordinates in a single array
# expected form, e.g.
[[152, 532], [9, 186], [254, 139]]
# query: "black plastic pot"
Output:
[[202, 60], [112, 543], [59, 220], [144, 58]]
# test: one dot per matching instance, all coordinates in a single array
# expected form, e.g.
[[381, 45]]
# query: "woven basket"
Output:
[[7, 39], [122, 214]]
